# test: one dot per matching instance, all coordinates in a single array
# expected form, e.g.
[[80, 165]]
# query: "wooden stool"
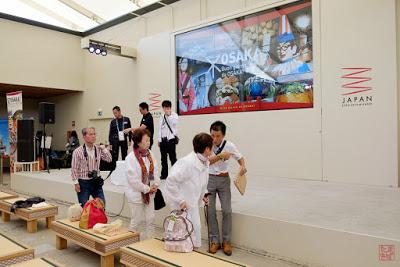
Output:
[[151, 253], [39, 262], [12, 252], [30, 215], [105, 246]]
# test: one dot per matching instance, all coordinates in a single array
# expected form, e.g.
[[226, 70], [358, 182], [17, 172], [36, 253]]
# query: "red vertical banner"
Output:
[[14, 113]]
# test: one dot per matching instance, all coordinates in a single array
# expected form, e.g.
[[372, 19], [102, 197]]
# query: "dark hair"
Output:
[[116, 108], [74, 134], [218, 126], [166, 104], [137, 136], [144, 105], [201, 141], [86, 129]]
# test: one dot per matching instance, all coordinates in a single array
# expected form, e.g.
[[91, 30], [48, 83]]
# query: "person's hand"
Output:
[[153, 189], [102, 147], [127, 130], [205, 200], [183, 205], [243, 170], [226, 155], [77, 188]]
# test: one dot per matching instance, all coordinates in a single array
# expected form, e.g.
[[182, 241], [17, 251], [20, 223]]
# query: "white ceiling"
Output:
[[78, 15]]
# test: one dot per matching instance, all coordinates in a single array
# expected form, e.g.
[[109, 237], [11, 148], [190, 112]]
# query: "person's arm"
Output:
[[133, 174], [128, 125], [242, 164], [224, 155], [105, 154], [175, 120], [240, 159], [75, 166], [159, 129], [110, 133], [157, 180], [177, 176]]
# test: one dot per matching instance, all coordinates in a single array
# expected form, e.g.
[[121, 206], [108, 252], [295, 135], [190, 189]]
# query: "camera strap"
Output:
[[85, 154]]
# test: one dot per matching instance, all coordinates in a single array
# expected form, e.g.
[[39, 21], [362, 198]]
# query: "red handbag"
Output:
[[93, 212]]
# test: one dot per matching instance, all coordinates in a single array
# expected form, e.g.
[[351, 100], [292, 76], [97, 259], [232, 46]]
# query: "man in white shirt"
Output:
[[186, 185], [219, 183], [167, 137]]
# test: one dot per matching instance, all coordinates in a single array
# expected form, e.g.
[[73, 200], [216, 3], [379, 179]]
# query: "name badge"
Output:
[[121, 136]]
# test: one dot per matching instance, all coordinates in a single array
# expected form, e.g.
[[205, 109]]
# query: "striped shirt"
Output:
[[80, 166]]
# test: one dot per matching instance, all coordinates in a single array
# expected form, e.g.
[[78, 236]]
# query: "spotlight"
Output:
[[91, 48], [97, 50], [104, 51]]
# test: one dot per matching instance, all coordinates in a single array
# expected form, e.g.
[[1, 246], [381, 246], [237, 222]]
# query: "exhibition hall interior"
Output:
[[199, 133]]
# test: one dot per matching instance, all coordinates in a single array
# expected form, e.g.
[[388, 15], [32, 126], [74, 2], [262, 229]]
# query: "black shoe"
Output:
[[163, 178]]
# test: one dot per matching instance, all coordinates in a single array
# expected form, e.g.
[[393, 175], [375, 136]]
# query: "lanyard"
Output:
[[123, 126]]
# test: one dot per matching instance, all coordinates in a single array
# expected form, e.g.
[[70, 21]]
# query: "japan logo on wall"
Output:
[[155, 104], [356, 89]]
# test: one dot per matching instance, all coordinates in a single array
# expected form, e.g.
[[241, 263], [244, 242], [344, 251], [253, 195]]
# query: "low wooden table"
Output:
[[12, 252], [151, 253], [103, 245], [4, 195], [39, 262], [30, 215]]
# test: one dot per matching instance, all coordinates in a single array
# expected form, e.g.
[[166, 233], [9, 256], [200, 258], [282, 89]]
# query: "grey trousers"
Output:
[[222, 187]]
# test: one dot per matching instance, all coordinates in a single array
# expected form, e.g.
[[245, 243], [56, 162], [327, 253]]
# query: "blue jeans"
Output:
[[88, 190]]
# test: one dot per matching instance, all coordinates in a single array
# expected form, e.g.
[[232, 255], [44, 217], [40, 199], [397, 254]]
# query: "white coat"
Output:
[[134, 187], [188, 181]]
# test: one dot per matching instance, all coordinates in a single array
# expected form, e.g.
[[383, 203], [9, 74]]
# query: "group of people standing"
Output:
[[193, 180]]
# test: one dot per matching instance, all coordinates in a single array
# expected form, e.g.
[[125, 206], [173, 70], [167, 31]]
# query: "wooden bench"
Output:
[[39, 262], [151, 253], [103, 245], [12, 252], [4, 195], [30, 215]]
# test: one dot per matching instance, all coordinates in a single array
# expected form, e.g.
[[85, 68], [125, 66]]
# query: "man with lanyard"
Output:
[[117, 137], [167, 134], [219, 183], [146, 122], [85, 167]]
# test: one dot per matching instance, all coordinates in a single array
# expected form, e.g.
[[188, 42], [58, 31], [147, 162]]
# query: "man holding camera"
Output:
[[85, 167]]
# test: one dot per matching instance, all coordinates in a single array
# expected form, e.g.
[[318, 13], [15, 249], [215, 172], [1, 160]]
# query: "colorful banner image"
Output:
[[4, 144], [14, 111], [261, 61]]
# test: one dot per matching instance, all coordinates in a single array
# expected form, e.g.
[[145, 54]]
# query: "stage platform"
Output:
[[307, 222]]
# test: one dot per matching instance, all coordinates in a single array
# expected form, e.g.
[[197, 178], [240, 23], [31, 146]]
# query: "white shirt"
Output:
[[135, 187], [222, 166], [187, 181], [163, 130]]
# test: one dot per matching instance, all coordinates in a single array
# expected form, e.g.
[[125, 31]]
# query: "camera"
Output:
[[93, 174], [96, 179]]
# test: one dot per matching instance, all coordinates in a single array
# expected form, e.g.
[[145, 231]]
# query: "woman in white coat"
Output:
[[143, 181], [186, 184]]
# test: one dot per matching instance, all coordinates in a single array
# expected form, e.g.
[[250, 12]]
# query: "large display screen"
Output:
[[261, 61]]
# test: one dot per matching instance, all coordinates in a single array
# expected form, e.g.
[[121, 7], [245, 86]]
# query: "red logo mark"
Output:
[[155, 101], [359, 83], [386, 252]]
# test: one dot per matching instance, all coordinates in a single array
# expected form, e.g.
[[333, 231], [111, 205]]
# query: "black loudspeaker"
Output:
[[25, 141], [46, 113]]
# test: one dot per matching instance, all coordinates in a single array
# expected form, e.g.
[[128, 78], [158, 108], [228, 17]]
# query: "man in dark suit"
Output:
[[118, 137]]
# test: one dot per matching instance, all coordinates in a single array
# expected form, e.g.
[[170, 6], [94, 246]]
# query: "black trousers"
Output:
[[167, 147], [115, 150]]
